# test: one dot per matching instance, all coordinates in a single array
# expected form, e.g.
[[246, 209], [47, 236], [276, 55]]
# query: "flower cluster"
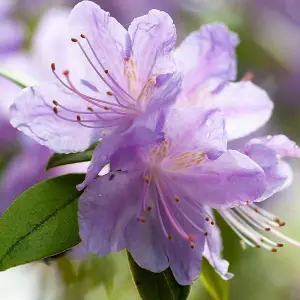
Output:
[[164, 117]]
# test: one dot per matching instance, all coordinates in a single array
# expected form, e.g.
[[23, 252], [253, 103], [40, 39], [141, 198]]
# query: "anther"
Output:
[[149, 208], [109, 93], [119, 170], [55, 110], [177, 198], [141, 219], [274, 250], [191, 238], [78, 118], [74, 40], [192, 246], [268, 229], [212, 223], [257, 246], [106, 71], [111, 177], [207, 219], [147, 179], [53, 66], [66, 72], [277, 220], [55, 102], [281, 224], [106, 108], [280, 245], [83, 36], [206, 233], [248, 202], [170, 237], [90, 108]]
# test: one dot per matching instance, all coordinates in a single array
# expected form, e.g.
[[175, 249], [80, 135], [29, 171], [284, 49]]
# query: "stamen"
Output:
[[141, 219]]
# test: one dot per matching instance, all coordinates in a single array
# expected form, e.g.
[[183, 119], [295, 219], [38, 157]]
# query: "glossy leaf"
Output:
[[215, 285], [42, 222], [159, 286], [19, 79], [58, 159]]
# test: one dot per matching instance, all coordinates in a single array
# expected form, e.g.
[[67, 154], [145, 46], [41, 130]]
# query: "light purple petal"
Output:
[[196, 129], [153, 37], [207, 56], [106, 35], [281, 144], [230, 180], [278, 174], [213, 251], [246, 108], [33, 114], [105, 208]]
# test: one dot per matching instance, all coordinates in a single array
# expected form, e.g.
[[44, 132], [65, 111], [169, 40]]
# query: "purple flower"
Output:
[[11, 33], [112, 77], [156, 200], [25, 169], [207, 58], [251, 221]]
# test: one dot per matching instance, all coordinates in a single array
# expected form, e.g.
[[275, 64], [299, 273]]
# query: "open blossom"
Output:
[[156, 200], [112, 77], [207, 59], [251, 222]]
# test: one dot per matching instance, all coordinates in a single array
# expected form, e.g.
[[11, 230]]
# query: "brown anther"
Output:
[[111, 177], [280, 245], [109, 93], [106, 71], [192, 238], [206, 233], [177, 198], [106, 107], [78, 118], [90, 108], [274, 250], [74, 40], [170, 237], [147, 179], [53, 67], [55, 110], [248, 202], [119, 170], [248, 76], [257, 246], [256, 209], [268, 229], [277, 220], [192, 246], [141, 219], [207, 219], [55, 102], [281, 224], [83, 36], [149, 208], [66, 72], [212, 223]]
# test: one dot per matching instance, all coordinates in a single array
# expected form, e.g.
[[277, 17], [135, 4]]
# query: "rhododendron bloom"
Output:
[[156, 200], [112, 77]]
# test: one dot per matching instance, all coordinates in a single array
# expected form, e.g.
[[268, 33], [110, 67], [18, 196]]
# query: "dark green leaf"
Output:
[[41, 222], [19, 79], [215, 285], [158, 286], [57, 159]]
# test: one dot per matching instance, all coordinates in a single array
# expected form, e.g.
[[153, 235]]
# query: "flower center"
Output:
[[113, 107]]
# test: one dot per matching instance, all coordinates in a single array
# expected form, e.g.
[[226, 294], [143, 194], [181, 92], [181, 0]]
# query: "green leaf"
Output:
[[215, 285], [57, 159], [19, 79], [42, 222], [158, 286]]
